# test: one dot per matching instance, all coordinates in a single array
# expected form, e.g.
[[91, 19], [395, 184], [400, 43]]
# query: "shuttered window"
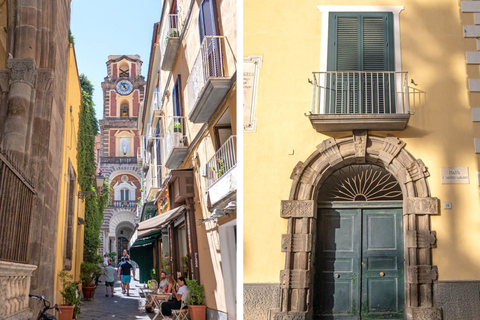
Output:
[[361, 41], [360, 54]]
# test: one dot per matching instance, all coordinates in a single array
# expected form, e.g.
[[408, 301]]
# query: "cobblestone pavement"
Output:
[[118, 307]]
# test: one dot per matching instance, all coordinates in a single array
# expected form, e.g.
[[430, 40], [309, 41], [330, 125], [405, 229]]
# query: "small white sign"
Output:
[[451, 175]]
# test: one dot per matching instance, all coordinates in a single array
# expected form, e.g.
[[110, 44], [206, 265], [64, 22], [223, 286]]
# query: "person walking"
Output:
[[106, 261], [109, 277], [124, 270]]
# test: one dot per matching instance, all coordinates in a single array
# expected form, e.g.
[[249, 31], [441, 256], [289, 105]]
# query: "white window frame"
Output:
[[395, 10]]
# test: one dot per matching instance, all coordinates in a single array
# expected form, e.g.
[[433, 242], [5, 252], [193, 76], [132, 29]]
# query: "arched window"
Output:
[[123, 70], [124, 110]]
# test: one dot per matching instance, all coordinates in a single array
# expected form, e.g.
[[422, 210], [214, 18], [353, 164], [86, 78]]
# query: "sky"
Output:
[[111, 27]]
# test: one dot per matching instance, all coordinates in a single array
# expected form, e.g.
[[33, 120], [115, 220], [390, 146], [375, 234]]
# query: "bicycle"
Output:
[[43, 315]]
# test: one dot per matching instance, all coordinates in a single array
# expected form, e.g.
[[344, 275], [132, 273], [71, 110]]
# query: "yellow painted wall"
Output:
[[69, 154], [440, 132]]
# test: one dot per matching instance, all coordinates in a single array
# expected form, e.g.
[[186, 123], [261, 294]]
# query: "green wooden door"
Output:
[[359, 264]]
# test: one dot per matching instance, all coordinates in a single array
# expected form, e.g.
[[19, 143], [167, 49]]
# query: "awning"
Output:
[[154, 224]]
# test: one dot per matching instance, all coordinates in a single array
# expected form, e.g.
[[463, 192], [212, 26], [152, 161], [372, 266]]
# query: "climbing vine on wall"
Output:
[[96, 203]]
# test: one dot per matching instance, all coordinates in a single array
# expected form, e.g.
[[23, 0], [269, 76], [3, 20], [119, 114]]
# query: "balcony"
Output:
[[123, 203], [221, 173], [170, 41], [358, 100], [118, 160], [210, 78], [175, 142]]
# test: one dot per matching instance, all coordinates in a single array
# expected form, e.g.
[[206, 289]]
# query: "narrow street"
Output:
[[120, 306]]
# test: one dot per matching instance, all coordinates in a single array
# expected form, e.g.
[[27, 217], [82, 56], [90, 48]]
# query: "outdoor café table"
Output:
[[158, 299]]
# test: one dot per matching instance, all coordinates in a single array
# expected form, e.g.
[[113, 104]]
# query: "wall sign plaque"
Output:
[[454, 175]]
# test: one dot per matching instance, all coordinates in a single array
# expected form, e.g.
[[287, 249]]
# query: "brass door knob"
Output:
[[337, 275], [382, 274]]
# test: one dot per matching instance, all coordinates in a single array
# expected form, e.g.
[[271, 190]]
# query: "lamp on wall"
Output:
[[99, 180], [218, 213]]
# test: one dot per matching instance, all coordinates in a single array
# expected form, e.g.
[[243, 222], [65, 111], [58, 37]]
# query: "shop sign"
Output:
[[454, 175]]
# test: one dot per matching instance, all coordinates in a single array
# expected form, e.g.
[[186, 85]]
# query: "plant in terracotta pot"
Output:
[[197, 310], [70, 306], [89, 273]]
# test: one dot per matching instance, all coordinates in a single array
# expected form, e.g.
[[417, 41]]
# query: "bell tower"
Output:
[[123, 92]]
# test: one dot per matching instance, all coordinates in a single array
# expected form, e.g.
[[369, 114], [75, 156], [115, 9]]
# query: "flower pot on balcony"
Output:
[[66, 313], [198, 312]]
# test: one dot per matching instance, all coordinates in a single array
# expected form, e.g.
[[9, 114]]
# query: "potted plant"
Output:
[[89, 274], [197, 310], [70, 306]]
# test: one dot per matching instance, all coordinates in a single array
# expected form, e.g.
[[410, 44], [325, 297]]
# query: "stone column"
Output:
[[419, 271], [20, 102], [296, 280]]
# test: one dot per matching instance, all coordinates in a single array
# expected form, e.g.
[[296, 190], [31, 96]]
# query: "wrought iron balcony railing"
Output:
[[360, 92], [118, 160], [123, 203], [210, 76], [224, 160], [170, 41], [176, 135]]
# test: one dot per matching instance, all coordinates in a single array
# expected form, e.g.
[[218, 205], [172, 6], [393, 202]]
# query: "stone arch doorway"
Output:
[[123, 233], [301, 210]]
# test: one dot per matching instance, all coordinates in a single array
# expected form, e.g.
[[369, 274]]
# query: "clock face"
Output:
[[124, 87]]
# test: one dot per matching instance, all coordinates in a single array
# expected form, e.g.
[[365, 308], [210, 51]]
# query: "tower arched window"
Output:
[[124, 112], [123, 70]]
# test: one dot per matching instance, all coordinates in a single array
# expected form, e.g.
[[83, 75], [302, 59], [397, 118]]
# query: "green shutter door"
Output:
[[359, 264], [338, 271], [382, 264], [360, 42]]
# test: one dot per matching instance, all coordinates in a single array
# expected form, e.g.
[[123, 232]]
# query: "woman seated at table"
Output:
[[176, 302], [169, 289]]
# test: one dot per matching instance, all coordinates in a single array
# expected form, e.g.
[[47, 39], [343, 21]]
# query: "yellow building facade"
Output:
[[355, 110], [71, 211], [188, 153]]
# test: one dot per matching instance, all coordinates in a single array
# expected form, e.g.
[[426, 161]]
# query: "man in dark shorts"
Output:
[[109, 277], [124, 270]]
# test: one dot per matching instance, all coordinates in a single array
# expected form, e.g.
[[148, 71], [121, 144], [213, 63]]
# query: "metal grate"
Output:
[[360, 183], [16, 201]]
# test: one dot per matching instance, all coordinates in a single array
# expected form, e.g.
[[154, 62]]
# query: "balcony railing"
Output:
[[360, 94], [123, 203], [170, 41], [175, 142], [210, 78], [118, 160], [222, 161]]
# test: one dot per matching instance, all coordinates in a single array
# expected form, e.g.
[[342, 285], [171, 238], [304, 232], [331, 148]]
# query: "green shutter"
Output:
[[360, 41]]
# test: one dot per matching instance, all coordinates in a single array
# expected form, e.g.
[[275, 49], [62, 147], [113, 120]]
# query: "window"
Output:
[[69, 218], [360, 41], [177, 106], [211, 46], [124, 110], [124, 195], [123, 70]]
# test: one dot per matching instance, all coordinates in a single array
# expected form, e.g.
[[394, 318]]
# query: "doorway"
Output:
[[359, 270]]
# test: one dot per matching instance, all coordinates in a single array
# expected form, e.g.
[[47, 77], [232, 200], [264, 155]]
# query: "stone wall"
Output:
[[33, 91], [260, 300], [459, 300]]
